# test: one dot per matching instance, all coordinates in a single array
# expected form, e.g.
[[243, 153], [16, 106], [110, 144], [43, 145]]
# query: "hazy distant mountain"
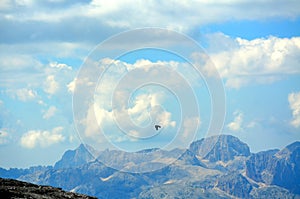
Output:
[[15, 173], [224, 169], [76, 158]]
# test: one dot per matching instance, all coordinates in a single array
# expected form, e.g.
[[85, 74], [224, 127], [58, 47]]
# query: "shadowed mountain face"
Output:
[[215, 167], [16, 189], [235, 184], [75, 158], [281, 168], [257, 166]]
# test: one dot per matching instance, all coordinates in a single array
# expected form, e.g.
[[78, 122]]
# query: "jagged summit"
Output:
[[288, 150], [75, 158]]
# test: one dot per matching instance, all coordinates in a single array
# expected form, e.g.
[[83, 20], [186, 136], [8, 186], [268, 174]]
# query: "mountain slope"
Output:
[[257, 164], [75, 158], [281, 168]]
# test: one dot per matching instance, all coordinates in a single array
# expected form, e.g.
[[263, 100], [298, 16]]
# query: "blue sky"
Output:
[[254, 45]]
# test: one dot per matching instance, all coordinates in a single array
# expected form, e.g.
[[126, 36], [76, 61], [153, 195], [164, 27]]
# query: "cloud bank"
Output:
[[34, 138], [242, 62]]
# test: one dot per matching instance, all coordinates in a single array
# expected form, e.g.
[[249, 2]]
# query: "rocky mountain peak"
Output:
[[220, 148], [75, 158], [289, 150]]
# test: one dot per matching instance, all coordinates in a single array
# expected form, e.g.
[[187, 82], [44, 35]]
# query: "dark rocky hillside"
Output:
[[16, 189]]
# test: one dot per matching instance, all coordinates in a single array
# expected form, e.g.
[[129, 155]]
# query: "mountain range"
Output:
[[224, 169]]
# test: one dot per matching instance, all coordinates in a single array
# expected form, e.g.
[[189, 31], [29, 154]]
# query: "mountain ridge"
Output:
[[215, 172]]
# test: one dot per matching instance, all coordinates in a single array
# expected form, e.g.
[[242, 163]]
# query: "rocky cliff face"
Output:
[[257, 165], [16, 189], [281, 168], [235, 184]]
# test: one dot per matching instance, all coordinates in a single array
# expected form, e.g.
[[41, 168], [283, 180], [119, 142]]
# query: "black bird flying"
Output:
[[157, 127]]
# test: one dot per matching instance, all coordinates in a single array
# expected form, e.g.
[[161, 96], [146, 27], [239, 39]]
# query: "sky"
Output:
[[103, 73]]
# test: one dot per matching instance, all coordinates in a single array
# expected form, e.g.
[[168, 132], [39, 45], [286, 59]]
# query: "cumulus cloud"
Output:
[[145, 111], [34, 138], [123, 102], [71, 85], [146, 105], [26, 94], [23, 94], [51, 85], [50, 112], [294, 101], [21, 66], [96, 117], [236, 124], [242, 62], [60, 66]]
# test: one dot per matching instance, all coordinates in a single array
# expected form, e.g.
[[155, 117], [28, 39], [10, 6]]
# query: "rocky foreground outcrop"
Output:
[[10, 188]]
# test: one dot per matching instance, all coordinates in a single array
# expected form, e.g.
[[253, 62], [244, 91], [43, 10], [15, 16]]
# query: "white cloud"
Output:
[[23, 94], [132, 14], [95, 118], [13, 61], [294, 101], [50, 112], [34, 138], [5, 4], [51, 86], [26, 94], [189, 127], [138, 107], [242, 62], [59, 66], [144, 110], [72, 85], [3, 136], [21, 65], [146, 106], [236, 124]]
